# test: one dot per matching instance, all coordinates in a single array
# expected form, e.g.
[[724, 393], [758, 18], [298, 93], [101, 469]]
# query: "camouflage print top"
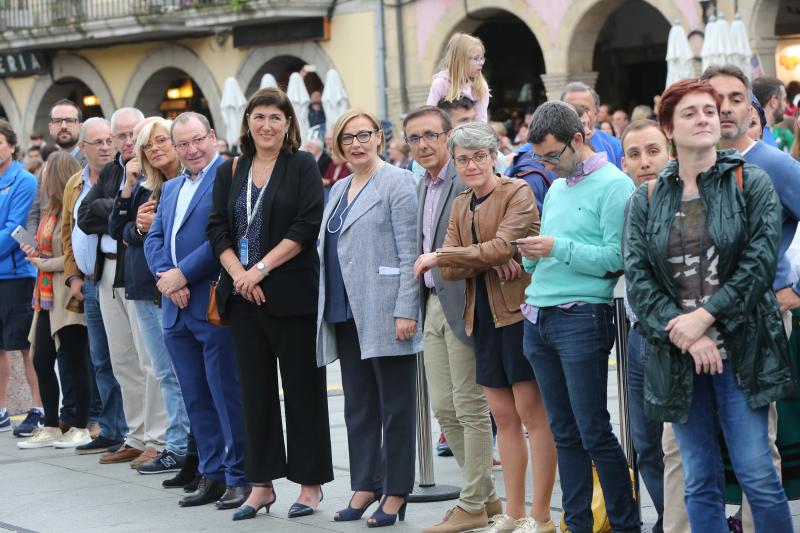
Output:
[[693, 259]]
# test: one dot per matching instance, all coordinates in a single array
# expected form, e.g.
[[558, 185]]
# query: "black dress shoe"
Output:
[[192, 485], [233, 497], [207, 491], [186, 475]]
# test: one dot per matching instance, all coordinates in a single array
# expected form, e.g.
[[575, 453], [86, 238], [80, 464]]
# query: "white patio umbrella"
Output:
[[298, 95], [334, 98], [268, 80], [679, 55], [715, 44], [232, 107], [740, 51]]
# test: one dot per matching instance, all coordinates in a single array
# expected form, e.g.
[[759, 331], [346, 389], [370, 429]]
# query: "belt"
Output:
[[110, 256], [89, 277], [433, 290]]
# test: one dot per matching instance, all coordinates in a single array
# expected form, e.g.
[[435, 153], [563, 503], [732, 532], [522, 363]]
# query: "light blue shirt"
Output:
[[185, 196], [84, 247]]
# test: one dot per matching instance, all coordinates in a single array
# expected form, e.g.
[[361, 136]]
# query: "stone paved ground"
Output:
[[55, 491]]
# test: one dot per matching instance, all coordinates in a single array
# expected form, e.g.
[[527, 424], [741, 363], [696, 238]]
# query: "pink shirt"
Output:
[[441, 86]]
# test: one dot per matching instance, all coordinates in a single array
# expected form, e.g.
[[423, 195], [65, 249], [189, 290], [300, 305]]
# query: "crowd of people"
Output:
[[169, 286]]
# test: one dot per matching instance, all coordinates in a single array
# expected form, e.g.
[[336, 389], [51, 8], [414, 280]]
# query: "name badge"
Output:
[[243, 251]]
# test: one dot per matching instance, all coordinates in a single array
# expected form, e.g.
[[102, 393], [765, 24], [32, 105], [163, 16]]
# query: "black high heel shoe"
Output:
[[351, 513], [382, 519], [245, 512], [300, 509]]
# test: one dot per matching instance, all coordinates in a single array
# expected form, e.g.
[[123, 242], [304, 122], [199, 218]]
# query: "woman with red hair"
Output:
[[700, 249]]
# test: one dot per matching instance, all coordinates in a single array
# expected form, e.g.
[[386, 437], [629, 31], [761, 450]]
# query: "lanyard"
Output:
[[252, 210]]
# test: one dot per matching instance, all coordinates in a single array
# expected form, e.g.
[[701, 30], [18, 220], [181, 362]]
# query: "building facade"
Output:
[[165, 56]]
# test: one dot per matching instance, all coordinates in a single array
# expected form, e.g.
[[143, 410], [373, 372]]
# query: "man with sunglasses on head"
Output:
[[142, 401], [458, 403], [569, 327]]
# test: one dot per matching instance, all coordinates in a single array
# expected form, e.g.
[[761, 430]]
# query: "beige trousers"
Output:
[[460, 406], [142, 402]]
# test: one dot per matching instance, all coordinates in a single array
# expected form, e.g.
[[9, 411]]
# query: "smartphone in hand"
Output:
[[23, 236]]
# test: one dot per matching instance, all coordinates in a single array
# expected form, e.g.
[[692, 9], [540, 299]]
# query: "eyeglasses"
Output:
[[197, 141], [122, 137], [159, 142], [57, 121], [462, 161], [478, 60], [362, 136], [100, 142], [552, 159], [429, 136]]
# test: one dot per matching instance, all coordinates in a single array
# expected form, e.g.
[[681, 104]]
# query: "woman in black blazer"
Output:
[[268, 291]]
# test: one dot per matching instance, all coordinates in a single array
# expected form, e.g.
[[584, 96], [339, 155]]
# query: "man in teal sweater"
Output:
[[569, 328]]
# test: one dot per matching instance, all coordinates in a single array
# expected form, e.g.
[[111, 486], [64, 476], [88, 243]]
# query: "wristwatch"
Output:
[[262, 268]]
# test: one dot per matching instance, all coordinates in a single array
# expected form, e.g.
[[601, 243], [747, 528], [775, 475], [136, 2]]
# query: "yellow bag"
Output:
[[599, 515]]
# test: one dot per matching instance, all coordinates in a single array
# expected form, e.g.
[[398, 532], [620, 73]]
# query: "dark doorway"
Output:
[[629, 56], [71, 89], [169, 92]]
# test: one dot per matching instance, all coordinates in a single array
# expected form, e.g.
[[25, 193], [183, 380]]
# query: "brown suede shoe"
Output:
[[148, 455], [123, 455], [457, 520], [494, 508]]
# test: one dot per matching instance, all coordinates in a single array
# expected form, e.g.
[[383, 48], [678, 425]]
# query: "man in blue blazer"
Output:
[[179, 255]]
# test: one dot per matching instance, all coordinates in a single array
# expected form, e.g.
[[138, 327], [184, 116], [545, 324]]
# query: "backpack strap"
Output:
[[547, 181], [739, 177]]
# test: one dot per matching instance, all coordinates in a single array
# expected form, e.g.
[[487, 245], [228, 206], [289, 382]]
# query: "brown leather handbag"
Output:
[[213, 315]]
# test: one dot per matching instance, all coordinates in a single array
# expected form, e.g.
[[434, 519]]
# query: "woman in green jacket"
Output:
[[700, 250]]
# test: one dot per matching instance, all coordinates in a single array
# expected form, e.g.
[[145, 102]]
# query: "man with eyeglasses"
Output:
[[458, 403], [64, 125], [578, 93], [142, 401], [80, 254], [569, 328], [180, 256]]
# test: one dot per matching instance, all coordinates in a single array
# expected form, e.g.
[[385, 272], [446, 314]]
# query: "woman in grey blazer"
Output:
[[368, 314]]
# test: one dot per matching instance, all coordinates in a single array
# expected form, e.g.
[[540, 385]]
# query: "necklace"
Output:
[[346, 210]]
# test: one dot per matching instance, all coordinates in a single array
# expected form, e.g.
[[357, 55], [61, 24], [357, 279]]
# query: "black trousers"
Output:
[[380, 412], [260, 342], [74, 342]]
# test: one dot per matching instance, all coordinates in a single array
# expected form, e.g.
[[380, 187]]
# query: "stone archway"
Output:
[[581, 26], [761, 29], [9, 105], [172, 56], [64, 67], [310, 52]]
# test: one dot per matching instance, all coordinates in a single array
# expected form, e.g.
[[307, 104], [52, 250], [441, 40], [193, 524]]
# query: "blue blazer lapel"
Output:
[[167, 207]]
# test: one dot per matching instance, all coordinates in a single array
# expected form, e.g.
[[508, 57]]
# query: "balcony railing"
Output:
[[34, 14]]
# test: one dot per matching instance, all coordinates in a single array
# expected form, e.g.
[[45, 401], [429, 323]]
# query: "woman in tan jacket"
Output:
[[486, 220], [58, 322]]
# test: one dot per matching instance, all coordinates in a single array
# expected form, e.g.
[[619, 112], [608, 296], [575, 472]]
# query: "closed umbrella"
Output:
[[298, 95], [334, 98], [715, 45], [679, 55], [232, 107], [740, 52], [267, 81]]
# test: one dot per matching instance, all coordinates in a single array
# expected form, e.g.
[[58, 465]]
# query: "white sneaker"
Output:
[[529, 525], [501, 523], [74, 437], [41, 438]]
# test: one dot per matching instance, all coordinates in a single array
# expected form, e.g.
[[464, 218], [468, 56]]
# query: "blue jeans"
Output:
[[111, 419], [568, 349], [719, 399], [646, 433], [148, 316]]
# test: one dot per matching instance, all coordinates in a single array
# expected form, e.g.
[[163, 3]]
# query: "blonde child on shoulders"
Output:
[[461, 75]]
